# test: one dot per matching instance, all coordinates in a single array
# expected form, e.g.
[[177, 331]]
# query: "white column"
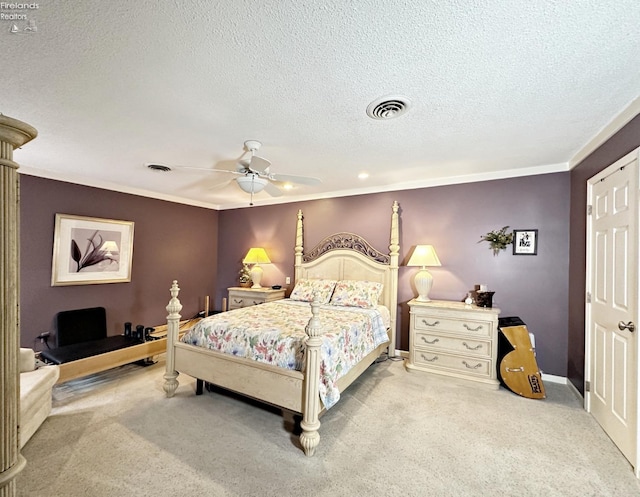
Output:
[[13, 134]]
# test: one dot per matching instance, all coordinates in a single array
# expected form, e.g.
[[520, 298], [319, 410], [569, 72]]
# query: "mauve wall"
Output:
[[452, 218], [171, 241], [623, 142]]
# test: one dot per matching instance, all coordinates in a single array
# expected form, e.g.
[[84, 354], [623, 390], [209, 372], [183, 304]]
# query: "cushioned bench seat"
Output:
[[73, 352]]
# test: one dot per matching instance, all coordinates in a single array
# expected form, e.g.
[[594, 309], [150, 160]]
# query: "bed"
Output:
[[345, 258]]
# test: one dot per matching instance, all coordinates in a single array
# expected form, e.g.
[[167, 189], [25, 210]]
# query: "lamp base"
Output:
[[420, 298], [423, 281], [256, 276]]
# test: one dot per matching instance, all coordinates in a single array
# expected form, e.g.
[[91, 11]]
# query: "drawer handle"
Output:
[[255, 302], [434, 358], [237, 301], [435, 340], [435, 323], [472, 348], [479, 365], [472, 329]]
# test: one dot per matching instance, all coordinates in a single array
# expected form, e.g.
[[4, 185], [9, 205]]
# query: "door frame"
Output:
[[634, 155]]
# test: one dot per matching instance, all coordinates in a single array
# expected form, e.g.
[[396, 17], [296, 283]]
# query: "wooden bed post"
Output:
[[299, 248], [310, 438], [394, 249], [173, 324]]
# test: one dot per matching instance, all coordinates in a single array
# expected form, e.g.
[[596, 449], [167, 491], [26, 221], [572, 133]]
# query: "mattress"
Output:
[[273, 333]]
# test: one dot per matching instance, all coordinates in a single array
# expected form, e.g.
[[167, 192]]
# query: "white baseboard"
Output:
[[552, 378], [576, 392]]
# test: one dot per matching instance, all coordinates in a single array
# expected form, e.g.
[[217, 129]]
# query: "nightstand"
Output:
[[454, 339], [244, 297]]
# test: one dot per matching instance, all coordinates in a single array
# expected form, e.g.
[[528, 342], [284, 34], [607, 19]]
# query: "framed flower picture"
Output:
[[89, 250], [525, 242]]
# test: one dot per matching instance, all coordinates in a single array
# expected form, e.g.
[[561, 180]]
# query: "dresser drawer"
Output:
[[237, 303], [439, 360], [246, 297], [458, 326], [465, 346]]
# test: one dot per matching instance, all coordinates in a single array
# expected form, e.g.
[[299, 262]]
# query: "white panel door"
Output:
[[612, 282]]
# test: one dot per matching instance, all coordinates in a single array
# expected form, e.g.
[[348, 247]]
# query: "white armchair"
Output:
[[36, 385]]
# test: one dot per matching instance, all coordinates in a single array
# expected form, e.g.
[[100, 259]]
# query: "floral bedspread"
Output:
[[273, 333]]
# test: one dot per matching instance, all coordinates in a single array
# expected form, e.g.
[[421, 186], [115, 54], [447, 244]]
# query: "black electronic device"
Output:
[[276, 287]]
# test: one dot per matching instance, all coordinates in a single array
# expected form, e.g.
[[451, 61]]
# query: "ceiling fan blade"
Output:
[[208, 169], [301, 180], [259, 164], [272, 190]]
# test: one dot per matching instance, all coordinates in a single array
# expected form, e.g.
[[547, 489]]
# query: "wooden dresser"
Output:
[[454, 339], [244, 297]]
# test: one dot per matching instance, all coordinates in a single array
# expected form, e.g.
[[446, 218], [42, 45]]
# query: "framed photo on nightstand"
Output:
[[525, 242]]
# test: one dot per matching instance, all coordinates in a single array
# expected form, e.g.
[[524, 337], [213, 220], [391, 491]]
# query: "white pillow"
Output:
[[351, 293], [310, 290]]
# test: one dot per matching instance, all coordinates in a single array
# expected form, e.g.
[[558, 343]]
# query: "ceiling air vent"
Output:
[[388, 107], [159, 167]]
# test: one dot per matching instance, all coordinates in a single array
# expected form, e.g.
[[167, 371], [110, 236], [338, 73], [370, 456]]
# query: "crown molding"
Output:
[[610, 129]]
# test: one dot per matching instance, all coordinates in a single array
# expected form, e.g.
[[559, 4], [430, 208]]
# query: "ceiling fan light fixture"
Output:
[[388, 107], [251, 183]]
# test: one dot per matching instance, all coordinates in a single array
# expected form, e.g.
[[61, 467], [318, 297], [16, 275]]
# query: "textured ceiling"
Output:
[[497, 89]]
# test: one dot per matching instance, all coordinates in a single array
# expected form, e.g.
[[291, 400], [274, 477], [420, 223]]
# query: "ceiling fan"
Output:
[[254, 174]]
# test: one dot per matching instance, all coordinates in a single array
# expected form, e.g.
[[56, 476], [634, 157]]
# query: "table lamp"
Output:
[[256, 256], [423, 256]]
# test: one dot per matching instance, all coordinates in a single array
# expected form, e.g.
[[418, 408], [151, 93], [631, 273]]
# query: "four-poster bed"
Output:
[[345, 259]]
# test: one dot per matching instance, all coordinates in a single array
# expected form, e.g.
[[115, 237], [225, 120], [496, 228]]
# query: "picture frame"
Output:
[[90, 251], [525, 242]]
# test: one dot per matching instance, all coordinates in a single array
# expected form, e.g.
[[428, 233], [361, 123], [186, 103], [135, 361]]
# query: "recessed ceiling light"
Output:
[[363, 175], [388, 107]]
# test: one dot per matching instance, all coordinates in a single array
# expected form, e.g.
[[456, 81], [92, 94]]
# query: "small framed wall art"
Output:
[[89, 250], [525, 242]]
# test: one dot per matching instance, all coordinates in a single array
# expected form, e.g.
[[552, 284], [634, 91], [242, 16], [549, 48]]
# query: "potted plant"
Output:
[[498, 239], [245, 276]]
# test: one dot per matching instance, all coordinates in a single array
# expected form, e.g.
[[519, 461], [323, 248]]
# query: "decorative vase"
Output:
[[245, 284], [484, 299], [469, 299]]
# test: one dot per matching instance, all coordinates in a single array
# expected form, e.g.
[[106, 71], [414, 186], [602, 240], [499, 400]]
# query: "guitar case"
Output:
[[517, 367]]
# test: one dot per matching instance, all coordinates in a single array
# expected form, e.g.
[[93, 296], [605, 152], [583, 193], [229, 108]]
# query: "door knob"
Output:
[[628, 326]]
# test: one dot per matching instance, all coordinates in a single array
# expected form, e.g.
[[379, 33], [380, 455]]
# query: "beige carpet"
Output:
[[393, 433]]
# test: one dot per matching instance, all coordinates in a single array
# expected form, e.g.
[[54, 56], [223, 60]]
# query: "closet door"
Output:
[[612, 285]]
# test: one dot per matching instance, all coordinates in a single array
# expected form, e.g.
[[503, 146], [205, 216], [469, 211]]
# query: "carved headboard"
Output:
[[348, 256]]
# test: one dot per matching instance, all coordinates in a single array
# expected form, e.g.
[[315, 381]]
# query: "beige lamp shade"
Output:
[[256, 256], [423, 256]]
